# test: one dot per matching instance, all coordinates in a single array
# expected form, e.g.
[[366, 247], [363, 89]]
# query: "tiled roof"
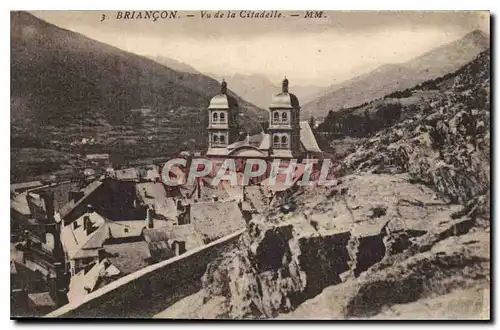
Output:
[[259, 141], [74, 240], [81, 254], [87, 191], [247, 151], [22, 271], [25, 185], [127, 174], [155, 195], [80, 245], [216, 219], [97, 238], [237, 144], [86, 281], [128, 257], [307, 138], [217, 152], [125, 228], [266, 142], [152, 173], [20, 204], [41, 299], [282, 153], [157, 237]]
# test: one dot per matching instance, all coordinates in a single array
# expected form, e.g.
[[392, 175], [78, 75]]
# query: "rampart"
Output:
[[150, 290]]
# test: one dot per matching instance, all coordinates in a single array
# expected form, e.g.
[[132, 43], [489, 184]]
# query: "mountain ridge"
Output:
[[392, 77], [59, 75], [258, 88], [67, 88]]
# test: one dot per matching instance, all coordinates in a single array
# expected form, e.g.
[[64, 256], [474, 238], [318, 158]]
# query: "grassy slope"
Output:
[[66, 86]]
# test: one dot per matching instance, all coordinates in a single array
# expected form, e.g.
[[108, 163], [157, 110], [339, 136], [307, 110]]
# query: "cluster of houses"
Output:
[[115, 226], [70, 238]]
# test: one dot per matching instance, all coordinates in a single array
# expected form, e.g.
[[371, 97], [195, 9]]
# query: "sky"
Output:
[[319, 51]]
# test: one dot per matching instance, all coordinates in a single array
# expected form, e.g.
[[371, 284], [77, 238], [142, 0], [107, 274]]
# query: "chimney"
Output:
[[49, 206], [188, 213], [58, 251], [184, 217], [199, 188], [90, 208], [87, 225], [180, 207], [149, 218]]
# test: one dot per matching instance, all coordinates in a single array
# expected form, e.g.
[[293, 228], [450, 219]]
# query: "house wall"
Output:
[[61, 192], [152, 289]]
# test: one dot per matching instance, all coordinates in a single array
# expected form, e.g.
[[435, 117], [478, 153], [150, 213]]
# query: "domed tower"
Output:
[[284, 124], [222, 122]]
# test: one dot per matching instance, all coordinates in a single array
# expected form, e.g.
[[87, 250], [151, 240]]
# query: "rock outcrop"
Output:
[[409, 221], [336, 236], [453, 263], [445, 143]]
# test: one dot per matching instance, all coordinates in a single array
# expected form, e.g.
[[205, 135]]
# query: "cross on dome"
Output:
[[223, 87], [284, 85]]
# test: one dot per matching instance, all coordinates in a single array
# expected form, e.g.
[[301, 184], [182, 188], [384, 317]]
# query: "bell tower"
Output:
[[284, 126], [222, 122]]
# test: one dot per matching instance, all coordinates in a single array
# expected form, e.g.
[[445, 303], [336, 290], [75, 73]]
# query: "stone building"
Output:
[[287, 137]]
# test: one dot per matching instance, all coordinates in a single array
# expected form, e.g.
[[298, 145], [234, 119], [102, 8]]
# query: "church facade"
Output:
[[287, 137]]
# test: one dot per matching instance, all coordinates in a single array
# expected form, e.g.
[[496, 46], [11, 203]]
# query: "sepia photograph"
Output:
[[250, 165]]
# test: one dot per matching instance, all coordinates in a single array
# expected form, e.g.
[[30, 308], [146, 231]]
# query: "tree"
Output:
[[312, 122]]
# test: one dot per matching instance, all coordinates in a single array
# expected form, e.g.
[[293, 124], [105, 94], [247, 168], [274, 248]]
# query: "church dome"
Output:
[[223, 101], [284, 100]]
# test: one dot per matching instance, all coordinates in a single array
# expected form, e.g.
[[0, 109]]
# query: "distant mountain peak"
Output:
[[390, 78], [478, 37], [477, 33]]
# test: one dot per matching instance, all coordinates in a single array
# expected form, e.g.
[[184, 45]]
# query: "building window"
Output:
[[284, 117], [215, 139], [276, 117], [222, 139], [215, 117], [179, 247], [222, 117], [276, 141], [284, 142]]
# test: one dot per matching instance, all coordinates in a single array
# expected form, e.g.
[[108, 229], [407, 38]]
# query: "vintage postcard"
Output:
[[250, 164]]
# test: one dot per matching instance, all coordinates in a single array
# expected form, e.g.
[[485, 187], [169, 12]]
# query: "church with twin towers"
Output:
[[286, 138]]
